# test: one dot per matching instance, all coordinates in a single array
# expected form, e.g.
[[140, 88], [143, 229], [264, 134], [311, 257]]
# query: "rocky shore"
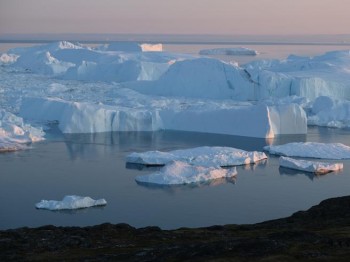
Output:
[[320, 233]]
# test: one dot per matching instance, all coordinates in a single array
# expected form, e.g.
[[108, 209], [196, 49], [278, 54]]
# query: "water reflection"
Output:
[[310, 175], [74, 211]]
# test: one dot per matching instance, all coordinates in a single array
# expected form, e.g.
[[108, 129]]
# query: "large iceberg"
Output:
[[70, 202], [203, 156], [229, 51], [163, 114], [312, 150], [15, 134], [309, 166], [179, 173]]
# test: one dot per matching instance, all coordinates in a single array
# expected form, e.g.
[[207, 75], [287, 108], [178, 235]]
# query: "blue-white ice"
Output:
[[140, 87], [70, 202]]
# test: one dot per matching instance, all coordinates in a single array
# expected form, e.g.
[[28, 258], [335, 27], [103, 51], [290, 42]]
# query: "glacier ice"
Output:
[[309, 166], [179, 173], [311, 149], [202, 156], [229, 51], [70, 202]]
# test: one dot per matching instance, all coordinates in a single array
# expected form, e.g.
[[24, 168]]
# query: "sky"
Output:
[[248, 17]]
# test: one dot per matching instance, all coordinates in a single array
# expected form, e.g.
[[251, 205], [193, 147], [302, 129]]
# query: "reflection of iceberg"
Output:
[[293, 172], [309, 166], [180, 173], [229, 51], [207, 156]]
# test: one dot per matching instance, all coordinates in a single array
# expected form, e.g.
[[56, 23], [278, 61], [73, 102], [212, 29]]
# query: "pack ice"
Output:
[[202, 156], [70, 202], [309, 166]]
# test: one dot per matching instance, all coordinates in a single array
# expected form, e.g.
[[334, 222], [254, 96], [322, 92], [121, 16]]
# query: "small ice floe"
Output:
[[312, 150], [309, 166], [202, 156], [180, 173], [70, 202], [229, 51]]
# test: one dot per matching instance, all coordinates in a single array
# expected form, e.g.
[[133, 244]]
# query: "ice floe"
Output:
[[229, 51], [309, 166], [311, 149], [179, 173], [70, 202], [202, 156], [15, 134]]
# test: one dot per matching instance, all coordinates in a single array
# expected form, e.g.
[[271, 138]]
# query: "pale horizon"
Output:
[[175, 17]]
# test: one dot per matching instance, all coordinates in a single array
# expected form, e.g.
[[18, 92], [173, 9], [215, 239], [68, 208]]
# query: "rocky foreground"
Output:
[[321, 233]]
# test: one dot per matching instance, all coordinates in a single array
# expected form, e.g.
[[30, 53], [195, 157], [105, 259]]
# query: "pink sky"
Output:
[[176, 16]]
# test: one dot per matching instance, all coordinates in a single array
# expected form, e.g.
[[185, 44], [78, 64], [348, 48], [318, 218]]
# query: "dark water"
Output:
[[94, 165]]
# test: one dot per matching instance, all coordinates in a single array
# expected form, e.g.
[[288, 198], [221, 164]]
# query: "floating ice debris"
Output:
[[202, 156], [14, 134], [309, 166], [229, 51], [312, 150], [70, 202], [178, 173]]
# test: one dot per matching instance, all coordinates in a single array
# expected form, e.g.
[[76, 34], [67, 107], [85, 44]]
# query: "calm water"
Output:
[[94, 165]]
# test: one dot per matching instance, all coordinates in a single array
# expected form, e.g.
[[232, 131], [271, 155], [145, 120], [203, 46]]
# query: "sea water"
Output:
[[94, 165]]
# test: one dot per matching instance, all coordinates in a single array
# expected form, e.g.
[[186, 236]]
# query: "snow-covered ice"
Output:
[[70, 202], [202, 156], [229, 51], [15, 134], [309, 166], [179, 173], [311, 149]]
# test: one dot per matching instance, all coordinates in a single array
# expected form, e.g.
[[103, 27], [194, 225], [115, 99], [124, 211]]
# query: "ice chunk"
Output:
[[309, 166], [14, 134], [152, 47], [178, 173], [229, 51], [8, 58], [70, 202], [203, 156], [312, 150], [330, 112]]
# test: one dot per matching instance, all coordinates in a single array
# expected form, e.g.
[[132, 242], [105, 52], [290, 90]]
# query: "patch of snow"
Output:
[[312, 150], [152, 47], [179, 173], [70, 202], [229, 51], [8, 58], [202, 156], [309, 166]]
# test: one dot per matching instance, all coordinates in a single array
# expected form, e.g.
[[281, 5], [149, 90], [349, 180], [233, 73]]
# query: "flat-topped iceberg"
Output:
[[15, 134], [202, 156], [70, 202], [312, 150], [229, 51], [309, 166], [179, 173]]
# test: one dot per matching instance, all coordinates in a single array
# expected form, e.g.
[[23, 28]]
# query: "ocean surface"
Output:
[[94, 165]]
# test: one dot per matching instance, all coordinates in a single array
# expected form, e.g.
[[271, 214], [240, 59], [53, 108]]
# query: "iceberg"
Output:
[[311, 150], [15, 134], [330, 112], [70, 202], [144, 114], [179, 173], [309, 166], [229, 51], [201, 156]]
